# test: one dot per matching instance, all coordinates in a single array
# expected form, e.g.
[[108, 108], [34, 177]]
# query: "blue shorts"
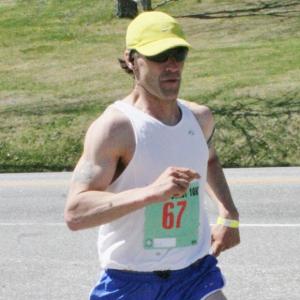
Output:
[[195, 282]]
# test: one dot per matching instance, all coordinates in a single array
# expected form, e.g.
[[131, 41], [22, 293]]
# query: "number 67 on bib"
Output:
[[173, 223]]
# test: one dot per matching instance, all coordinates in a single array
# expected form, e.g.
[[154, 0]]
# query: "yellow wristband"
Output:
[[228, 222]]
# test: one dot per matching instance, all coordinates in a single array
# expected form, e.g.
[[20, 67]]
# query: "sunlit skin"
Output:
[[156, 87], [161, 80]]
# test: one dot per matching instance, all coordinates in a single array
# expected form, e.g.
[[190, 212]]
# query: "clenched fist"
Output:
[[174, 181]]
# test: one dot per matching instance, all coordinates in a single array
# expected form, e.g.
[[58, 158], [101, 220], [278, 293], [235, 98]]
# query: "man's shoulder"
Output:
[[199, 110], [203, 115], [111, 129], [111, 121]]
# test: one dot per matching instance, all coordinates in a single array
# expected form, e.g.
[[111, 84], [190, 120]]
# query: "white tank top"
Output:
[[158, 146]]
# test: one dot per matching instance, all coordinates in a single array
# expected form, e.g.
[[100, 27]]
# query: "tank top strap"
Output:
[[132, 112], [137, 115]]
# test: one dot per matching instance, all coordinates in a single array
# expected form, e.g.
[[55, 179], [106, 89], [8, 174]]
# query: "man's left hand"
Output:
[[223, 238]]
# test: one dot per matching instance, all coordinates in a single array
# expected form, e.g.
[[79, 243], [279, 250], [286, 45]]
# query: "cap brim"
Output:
[[161, 46]]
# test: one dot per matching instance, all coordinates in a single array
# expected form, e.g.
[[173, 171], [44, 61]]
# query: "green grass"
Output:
[[59, 71]]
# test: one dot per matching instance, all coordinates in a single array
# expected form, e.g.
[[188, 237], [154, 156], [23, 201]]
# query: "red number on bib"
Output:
[[168, 214], [182, 205]]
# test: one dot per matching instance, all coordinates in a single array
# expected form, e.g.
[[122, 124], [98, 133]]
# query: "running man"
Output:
[[142, 177]]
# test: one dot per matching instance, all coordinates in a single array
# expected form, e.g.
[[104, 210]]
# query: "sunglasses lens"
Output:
[[179, 54], [159, 58]]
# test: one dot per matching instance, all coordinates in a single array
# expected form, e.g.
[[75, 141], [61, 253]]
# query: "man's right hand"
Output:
[[174, 181]]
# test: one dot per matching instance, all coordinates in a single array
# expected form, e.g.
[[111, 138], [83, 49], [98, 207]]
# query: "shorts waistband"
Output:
[[165, 274], [159, 274]]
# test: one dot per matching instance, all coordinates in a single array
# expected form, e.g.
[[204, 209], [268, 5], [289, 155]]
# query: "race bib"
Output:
[[173, 223]]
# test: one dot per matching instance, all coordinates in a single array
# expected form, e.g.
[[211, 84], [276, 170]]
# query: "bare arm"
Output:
[[109, 142], [218, 189], [223, 237]]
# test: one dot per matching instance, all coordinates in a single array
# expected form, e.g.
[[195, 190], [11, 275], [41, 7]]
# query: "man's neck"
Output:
[[164, 110]]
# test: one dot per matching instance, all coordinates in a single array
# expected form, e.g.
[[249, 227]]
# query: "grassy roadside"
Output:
[[59, 72]]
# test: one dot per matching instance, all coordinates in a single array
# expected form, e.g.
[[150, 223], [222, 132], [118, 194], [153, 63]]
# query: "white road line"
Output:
[[64, 224], [33, 224], [34, 183], [270, 225], [264, 180]]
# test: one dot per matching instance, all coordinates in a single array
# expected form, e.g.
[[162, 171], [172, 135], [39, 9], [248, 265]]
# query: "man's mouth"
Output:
[[171, 79]]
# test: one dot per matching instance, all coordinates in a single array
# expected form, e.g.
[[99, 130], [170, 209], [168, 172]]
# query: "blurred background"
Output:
[[59, 71]]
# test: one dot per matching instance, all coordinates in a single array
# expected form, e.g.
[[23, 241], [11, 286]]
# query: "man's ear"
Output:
[[129, 59]]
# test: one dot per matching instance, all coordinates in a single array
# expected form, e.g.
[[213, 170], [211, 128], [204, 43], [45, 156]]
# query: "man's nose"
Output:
[[172, 64]]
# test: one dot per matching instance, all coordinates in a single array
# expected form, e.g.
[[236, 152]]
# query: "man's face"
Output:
[[160, 78]]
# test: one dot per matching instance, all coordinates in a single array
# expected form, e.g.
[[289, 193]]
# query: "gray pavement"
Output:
[[41, 259]]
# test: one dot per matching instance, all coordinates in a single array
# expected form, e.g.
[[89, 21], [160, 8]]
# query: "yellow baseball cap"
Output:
[[151, 33]]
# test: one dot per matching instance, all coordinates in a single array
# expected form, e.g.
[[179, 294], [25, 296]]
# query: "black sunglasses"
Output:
[[178, 53]]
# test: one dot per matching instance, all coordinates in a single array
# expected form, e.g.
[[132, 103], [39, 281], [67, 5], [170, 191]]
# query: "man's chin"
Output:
[[170, 93], [170, 90]]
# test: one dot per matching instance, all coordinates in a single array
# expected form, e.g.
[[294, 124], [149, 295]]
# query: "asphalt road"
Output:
[[42, 260]]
